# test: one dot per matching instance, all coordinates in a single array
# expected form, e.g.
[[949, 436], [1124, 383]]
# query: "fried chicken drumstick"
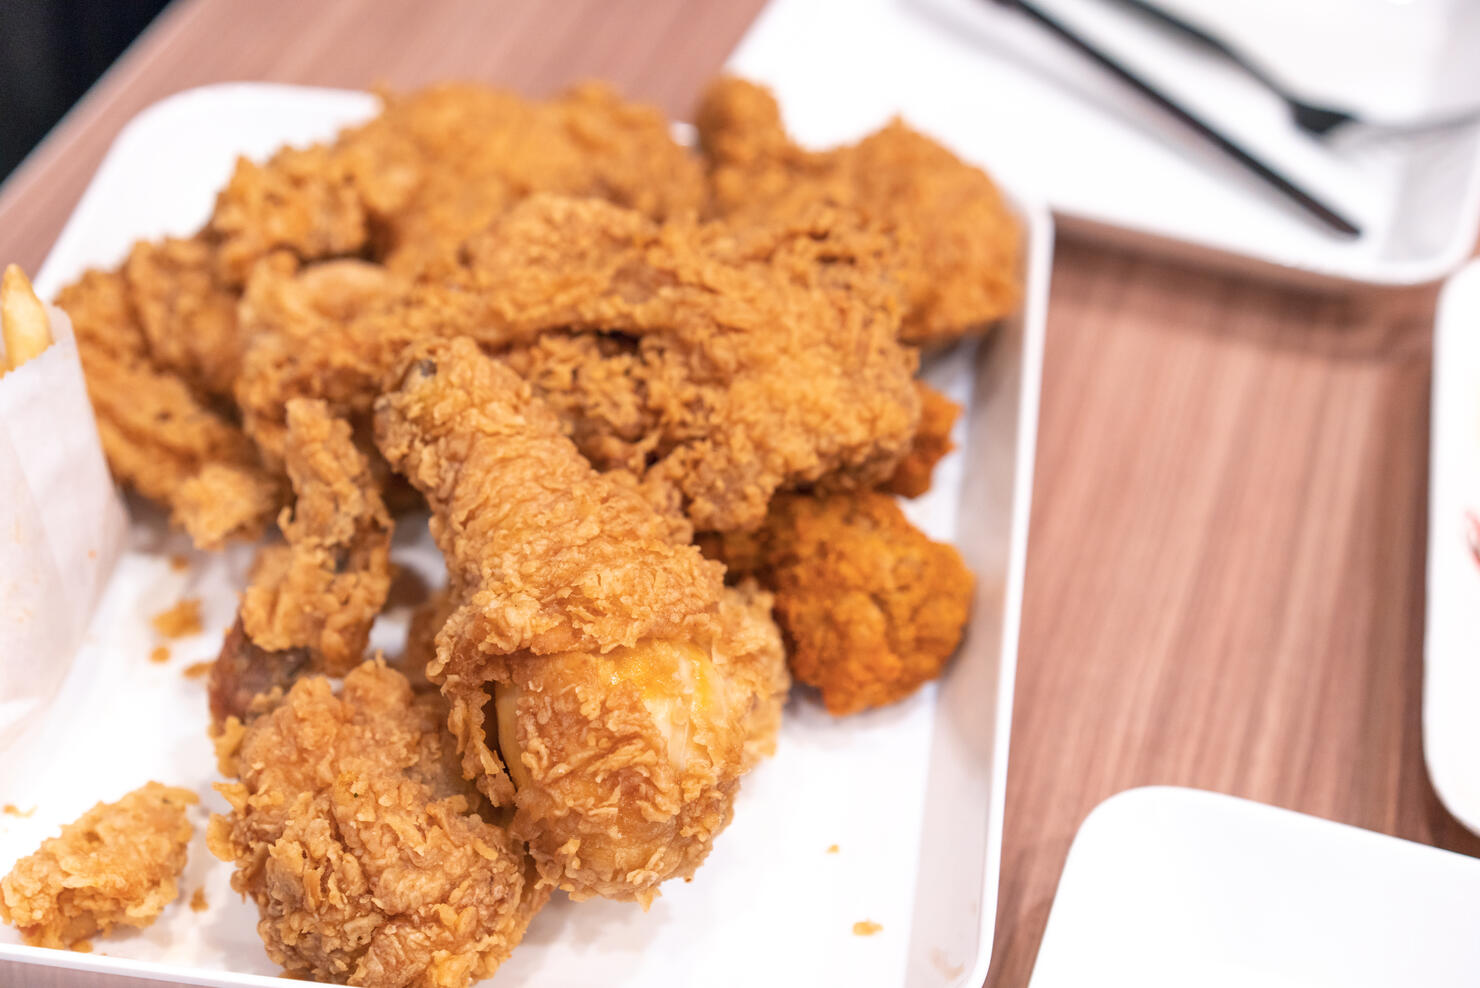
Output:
[[632, 690]]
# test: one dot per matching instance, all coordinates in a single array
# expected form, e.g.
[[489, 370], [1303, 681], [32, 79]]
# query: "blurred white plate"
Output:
[[999, 89], [1171, 888], [1451, 681], [912, 795]]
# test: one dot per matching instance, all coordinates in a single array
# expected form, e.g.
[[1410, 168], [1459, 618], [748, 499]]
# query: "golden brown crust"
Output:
[[958, 246], [323, 589], [932, 442], [632, 691], [871, 607], [368, 855], [117, 865]]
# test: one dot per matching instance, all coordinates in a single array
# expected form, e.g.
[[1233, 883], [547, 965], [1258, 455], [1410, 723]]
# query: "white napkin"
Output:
[[62, 526]]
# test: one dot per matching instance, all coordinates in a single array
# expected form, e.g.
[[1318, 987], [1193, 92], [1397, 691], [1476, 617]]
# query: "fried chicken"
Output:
[[323, 589], [161, 437], [726, 366], [871, 607], [372, 861], [437, 166], [958, 245], [932, 442], [631, 689], [117, 865], [244, 671]]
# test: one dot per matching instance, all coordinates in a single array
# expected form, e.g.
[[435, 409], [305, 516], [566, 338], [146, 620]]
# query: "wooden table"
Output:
[[1226, 566]]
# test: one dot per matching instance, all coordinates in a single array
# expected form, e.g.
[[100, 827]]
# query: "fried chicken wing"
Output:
[[871, 607], [117, 865], [958, 245], [323, 589], [160, 436], [372, 861], [631, 690]]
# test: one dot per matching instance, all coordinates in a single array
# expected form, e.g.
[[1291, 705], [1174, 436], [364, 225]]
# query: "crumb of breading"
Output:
[[179, 562], [83, 947], [159, 653], [10, 809], [179, 621], [198, 901], [832, 849], [866, 928], [118, 864], [196, 670]]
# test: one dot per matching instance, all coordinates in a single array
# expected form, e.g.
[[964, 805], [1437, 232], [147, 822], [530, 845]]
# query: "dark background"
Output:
[[50, 52]]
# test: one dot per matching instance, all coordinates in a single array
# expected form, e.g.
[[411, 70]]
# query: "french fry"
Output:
[[23, 321]]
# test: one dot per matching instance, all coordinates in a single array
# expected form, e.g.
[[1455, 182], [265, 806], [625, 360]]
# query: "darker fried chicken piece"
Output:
[[323, 589], [244, 671], [958, 245], [118, 865], [161, 437], [871, 607], [372, 862], [932, 442], [728, 366], [631, 688]]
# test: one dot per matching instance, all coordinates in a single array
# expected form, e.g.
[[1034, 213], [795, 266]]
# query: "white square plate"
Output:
[[999, 88], [1451, 646], [1172, 888], [912, 795]]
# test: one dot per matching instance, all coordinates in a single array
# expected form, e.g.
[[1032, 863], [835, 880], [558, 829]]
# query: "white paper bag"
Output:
[[62, 526]]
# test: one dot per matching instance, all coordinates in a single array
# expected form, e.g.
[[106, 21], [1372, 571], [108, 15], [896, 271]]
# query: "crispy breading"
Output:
[[436, 166], [244, 671], [371, 860], [932, 442], [188, 318], [118, 864], [323, 589], [760, 361], [958, 244], [161, 437], [631, 690], [870, 606]]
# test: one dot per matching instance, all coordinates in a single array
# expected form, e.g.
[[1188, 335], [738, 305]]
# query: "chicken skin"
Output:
[[958, 245], [372, 861], [871, 607], [118, 864], [631, 690]]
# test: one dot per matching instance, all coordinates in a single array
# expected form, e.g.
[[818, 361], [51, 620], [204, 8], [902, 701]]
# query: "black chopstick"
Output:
[[1294, 192]]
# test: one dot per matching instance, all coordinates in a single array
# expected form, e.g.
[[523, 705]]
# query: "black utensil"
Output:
[[1289, 189], [1310, 117]]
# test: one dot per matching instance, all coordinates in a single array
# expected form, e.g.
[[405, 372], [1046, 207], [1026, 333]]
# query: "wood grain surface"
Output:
[[1226, 564]]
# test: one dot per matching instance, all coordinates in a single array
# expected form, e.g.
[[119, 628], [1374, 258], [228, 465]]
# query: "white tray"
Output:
[[998, 88], [1451, 648], [1170, 888], [912, 795]]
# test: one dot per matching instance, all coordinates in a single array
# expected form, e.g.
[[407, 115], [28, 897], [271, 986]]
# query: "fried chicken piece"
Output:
[[735, 365], [871, 607], [371, 860], [932, 442], [323, 589], [958, 245], [161, 437], [187, 317], [436, 166], [631, 690], [118, 864]]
